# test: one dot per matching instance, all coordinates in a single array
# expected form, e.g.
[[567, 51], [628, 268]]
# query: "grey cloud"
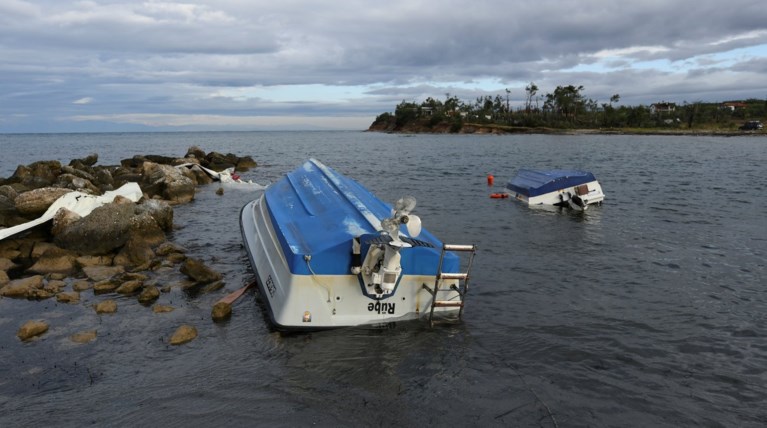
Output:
[[166, 57]]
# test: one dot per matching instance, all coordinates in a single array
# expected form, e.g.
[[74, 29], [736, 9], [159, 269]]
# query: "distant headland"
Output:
[[568, 111]]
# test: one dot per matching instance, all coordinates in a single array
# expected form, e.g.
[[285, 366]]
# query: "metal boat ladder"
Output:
[[463, 281]]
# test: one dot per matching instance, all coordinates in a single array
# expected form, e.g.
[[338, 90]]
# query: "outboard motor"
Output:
[[577, 203], [381, 268]]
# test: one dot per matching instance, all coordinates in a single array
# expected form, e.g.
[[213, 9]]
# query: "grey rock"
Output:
[[36, 202]]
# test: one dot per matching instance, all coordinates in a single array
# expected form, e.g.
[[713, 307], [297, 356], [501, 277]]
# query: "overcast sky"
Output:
[[112, 65]]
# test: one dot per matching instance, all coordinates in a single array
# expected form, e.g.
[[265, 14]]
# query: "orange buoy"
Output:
[[490, 179], [499, 195]]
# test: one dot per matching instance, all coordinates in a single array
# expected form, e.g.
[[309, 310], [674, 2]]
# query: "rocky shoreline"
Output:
[[119, 248]]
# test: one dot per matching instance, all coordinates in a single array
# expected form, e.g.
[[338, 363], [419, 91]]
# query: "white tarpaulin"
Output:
[[227, 176], [78, 202]]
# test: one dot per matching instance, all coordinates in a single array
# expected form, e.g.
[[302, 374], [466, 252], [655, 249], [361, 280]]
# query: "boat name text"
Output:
[[270, 286], [381, 308]]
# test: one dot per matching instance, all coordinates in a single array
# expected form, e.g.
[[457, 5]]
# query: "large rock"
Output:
[[63, 219], [105, 307], [149, 295], [6, 264], [89, 160], [85, 261], [167, 182], [9, 192], [123, 175], [107, 228], [32, 329], [168, 248], [138, 160], [55, 262], [79, 172], [38, 174], [197, 175], [245, 163], [68, 297], [135, 252], [22, 288], [8, 214], [4, 278], [55, 285], [71, 181], [9, 248], [195, 152], [104, 179], [221, 311], [36, 202], [130, 287], [101, 273], [81, 285], [219, 162], [199, 272], [146, 231], [160, 211], [40, 248], [105, 286], [184, 334]]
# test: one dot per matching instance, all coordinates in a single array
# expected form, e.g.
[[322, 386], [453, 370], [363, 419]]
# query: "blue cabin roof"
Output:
[[316, 211], [533, 182]]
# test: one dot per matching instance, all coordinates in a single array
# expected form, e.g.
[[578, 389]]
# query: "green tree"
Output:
[[405, 112], [566, 101], [530, 91]]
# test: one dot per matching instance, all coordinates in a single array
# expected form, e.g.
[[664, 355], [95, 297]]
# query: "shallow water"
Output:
[[646, 311]]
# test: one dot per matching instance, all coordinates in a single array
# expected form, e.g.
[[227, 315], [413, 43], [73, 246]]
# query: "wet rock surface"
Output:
[[120, 250], [32, 329], [184, 334]]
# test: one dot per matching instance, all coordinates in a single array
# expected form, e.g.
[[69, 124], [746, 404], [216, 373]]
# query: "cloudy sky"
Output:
[[116, 65]]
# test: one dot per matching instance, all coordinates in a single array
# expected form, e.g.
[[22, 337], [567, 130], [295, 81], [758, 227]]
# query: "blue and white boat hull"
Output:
[[576, 189], [301, 235]]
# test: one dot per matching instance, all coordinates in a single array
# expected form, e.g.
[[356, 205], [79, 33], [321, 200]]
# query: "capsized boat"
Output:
[[327, 253], [559, 187]]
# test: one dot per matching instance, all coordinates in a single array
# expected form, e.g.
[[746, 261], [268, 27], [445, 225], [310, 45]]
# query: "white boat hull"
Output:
[[590, 195], [305, 302]]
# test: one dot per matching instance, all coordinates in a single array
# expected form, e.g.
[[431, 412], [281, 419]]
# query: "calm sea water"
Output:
[[646, 311]]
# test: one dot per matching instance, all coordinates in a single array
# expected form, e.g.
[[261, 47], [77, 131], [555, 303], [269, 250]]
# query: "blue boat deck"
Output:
[[531, 182], [317, 212]]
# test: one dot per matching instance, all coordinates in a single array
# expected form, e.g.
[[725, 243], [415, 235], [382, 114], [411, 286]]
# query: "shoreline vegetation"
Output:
[[567, 111]]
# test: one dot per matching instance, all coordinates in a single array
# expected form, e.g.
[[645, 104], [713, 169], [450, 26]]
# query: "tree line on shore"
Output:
[[567, 107]]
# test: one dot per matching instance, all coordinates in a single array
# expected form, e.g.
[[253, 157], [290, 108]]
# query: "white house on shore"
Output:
[[662, 107]]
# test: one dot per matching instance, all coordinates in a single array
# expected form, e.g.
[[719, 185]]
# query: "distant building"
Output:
[[662, 107], [733, 105]]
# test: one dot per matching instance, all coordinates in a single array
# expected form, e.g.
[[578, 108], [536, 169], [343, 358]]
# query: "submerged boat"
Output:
[[327, 253], [556, 187]]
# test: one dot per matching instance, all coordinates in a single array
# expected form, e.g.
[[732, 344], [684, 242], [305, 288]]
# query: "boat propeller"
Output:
[[401, 215]]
